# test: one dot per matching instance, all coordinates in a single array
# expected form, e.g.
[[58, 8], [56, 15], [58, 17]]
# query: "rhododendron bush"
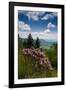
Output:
[[34, 63], [38, 56]]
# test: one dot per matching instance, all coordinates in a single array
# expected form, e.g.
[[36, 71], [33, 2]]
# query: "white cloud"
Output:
[[23, 26], [34, 15], [50, 25], [54, 13], [47, 16], [20, 11], [47, 31], [42, 35]]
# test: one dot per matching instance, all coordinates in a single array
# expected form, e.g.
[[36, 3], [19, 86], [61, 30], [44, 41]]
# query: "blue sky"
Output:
[[39, 23]]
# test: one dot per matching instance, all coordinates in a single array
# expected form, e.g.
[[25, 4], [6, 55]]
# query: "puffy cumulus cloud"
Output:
[[50, 25], [23, 26], [23, 34], [47, 31], [35, 15], [47, 16]]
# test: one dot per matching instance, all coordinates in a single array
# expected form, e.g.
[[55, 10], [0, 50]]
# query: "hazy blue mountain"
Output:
[[46, 43]]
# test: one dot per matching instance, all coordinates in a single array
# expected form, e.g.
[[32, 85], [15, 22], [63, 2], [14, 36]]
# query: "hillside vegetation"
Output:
[[29, 65]]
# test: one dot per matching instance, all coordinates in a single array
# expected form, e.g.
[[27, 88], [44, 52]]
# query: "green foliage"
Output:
[[25, 44], [37, 43], [27, 68], [52, 55], [27, 65], [30, 41]]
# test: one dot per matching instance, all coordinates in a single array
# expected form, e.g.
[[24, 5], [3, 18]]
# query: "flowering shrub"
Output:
[[38, 56]]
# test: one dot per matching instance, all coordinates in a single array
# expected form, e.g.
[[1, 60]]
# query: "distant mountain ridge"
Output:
[[43, 43], [46, 43]]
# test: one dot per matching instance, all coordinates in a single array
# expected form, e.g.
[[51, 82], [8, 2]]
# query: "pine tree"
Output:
[[30, 41], [37, 43]]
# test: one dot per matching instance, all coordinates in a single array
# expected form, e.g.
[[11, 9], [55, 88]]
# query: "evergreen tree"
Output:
[[30, 41], [18, 36], [25, 45], [20, 43], [37, 43]]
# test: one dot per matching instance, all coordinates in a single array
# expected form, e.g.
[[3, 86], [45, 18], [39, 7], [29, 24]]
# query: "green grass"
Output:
[[27, 69], [52, 55]]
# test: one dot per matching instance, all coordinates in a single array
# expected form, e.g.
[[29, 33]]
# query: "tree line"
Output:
[[29, 42]]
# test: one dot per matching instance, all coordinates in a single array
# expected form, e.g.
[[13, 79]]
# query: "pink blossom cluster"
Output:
[[38, 55]]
